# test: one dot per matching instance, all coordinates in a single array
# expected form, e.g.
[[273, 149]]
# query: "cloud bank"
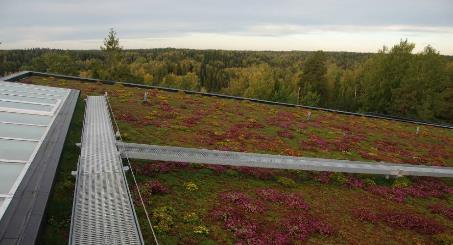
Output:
[[349, 25]]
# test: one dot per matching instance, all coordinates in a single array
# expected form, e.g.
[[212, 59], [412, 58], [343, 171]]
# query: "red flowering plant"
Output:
[[421, 188], [259, 173], [395, 194], [242, 215], [235, 213], [252, 123], [164, 106], [282, 119], [442, 209], [291, 200], [155, 187], [192, 121], [218, 169], [300, 226], [195, 117], [127, 117], [323, 177], [147, 189], [152, 168], [413, 222], [365, 215], [236, 221], [242, 201], [285, 134], [237, 137], [315, 143], [406, 221], [354, 182]]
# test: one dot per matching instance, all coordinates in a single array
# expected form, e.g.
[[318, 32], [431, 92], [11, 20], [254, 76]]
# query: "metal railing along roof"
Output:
[[25, 74]]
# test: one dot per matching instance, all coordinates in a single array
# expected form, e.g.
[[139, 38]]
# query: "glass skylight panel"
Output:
[[32, 88], [8, 175], [28, 98], [21, 131], [18, 150], [24, 118], [26, 114], [30, 92], [25, 106]]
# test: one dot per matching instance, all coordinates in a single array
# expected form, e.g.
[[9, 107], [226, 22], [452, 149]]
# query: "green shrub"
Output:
[[369, 182], [68, 183], [287, 182], [163, 217], [201, 230], [191, 217], [231, 172], [197, 165], [190, 186], [125, 136], [302, 174], [339, 178], [401, 182], [205, 171], [444, 238], [383, 180]]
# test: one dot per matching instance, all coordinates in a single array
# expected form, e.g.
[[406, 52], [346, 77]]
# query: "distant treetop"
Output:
[[111, 42]]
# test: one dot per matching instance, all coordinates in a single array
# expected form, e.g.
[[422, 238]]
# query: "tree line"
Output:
[[394, 81]]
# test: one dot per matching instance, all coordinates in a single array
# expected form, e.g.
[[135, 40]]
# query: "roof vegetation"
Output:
[[196, 203]]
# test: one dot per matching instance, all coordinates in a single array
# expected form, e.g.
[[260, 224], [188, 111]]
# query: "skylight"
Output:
[[26, 114]]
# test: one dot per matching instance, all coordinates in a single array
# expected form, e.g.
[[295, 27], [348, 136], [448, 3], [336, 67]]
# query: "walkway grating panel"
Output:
[[181, 154], [103, 212]]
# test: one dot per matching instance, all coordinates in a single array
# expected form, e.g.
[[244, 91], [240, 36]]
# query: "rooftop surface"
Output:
[[194, 203]]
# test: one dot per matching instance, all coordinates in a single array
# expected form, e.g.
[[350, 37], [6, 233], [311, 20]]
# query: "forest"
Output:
[[394, 81]]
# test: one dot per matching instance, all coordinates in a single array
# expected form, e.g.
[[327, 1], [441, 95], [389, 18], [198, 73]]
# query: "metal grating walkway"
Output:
[[180, 154], [103, 212]]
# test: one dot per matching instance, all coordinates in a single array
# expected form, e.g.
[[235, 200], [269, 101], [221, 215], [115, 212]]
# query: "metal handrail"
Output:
[[24, 74]]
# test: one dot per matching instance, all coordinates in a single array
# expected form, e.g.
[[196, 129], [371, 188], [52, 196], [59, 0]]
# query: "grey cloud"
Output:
[[85, 20]]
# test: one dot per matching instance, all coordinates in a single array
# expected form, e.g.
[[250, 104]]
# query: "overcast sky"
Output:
[[341, 25]]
